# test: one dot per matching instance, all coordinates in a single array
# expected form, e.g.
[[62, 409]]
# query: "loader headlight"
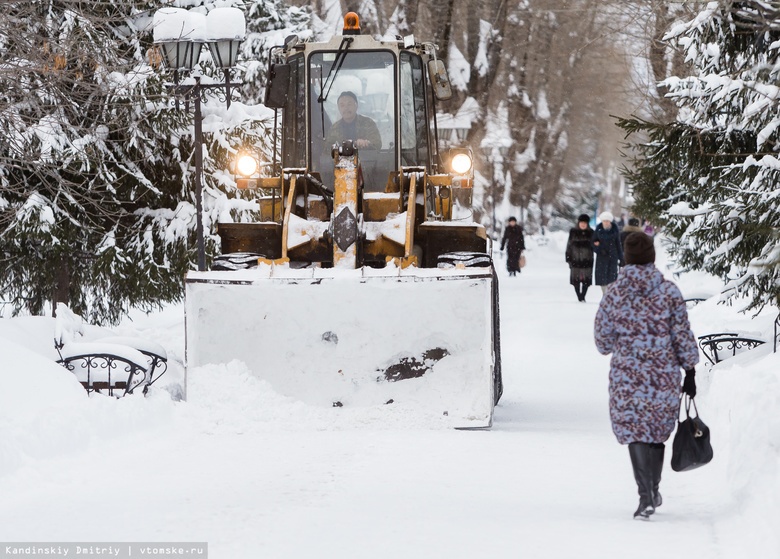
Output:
[[246, 165], [461, 163]]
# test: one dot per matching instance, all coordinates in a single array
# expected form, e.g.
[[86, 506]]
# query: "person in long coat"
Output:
[[643, 322], [514, 241], [632, 227], [579, 256], [609, 252]]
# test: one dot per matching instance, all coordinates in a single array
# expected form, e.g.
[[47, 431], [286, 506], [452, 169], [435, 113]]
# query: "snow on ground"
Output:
[[256, 474]]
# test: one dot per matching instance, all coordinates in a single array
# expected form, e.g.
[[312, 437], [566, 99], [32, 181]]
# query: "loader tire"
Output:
[[466, 258], [498, 381], [235, 261]]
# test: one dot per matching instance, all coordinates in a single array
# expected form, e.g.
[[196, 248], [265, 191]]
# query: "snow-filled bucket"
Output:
[[420, 339]]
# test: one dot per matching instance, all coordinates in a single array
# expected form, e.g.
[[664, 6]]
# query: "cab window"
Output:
[[352, 98], [294, 132], [414, 129]]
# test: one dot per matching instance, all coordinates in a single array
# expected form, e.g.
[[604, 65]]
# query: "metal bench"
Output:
[[155, 354], [112, 365], [777, 329], [719, 346], [111, 369], [693, 301]]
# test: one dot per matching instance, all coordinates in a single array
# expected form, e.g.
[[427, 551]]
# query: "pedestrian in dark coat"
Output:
[[579, 255], [642, 321], [609, 252], [514, 241], [632, 227]]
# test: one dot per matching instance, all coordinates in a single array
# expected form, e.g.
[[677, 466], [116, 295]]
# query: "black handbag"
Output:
[[691, 446]]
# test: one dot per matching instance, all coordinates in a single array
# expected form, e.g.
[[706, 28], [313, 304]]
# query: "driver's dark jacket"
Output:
[[366, 130]]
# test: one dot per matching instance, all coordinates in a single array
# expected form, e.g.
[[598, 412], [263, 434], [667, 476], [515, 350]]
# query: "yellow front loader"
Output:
[[365, 282]]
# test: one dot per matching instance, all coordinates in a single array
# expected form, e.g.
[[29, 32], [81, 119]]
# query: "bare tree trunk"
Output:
[[62, 287]]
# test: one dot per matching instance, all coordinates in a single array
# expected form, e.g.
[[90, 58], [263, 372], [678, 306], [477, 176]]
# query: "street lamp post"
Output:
[[181, 36], [494, 152]]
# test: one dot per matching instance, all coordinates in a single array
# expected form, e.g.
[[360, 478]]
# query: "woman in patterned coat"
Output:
[[642, 321]]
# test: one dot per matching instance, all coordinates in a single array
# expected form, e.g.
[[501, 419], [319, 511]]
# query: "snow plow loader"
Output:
[[365, 280]]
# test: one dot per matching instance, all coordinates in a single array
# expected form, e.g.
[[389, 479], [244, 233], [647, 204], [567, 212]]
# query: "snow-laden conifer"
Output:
[[97, 203], [711, 177]]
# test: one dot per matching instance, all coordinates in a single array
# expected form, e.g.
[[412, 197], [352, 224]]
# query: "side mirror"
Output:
[[277, 87], [290, 41], [440, 81]]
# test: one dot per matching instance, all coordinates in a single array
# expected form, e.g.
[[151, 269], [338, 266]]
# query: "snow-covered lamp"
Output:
[[198, 38], [173, 31], [225, 30]]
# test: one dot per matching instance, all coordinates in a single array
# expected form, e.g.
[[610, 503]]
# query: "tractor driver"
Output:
[[353, 126]]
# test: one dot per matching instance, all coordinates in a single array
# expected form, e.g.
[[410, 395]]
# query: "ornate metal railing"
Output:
[[693, 301], [106, 373], [157, 367], [719, 346], [134, 362]]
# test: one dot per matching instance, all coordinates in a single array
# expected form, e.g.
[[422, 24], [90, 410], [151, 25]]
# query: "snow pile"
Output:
[[45, 412], [231, 399], [739, 398], [743, 414]]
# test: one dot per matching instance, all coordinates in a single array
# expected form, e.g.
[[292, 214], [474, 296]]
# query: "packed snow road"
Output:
[[256, 475]]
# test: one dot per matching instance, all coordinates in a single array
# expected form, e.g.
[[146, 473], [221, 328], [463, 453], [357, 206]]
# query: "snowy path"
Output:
[[548, 481]]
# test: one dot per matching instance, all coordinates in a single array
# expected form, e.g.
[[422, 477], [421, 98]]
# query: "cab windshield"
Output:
[[352, 98]]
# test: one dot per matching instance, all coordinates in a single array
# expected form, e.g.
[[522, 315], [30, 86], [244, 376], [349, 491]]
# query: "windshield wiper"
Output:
[[341, 55]]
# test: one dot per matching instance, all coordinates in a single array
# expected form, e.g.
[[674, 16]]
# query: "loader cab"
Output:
[[388, 84]]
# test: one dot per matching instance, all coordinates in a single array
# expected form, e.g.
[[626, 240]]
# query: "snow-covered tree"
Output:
[[268, 23], [711, 177], [97, 206], [76, 141]]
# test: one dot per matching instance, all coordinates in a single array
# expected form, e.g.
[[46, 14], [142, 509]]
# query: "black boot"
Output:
[[657, 452], [584, 291], [577, 291], [642, 462]]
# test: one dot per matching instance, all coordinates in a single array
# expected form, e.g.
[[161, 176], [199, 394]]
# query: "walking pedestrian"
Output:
[[632, 227], [579, 256], [609, 252], [514, 241], [643, 321]]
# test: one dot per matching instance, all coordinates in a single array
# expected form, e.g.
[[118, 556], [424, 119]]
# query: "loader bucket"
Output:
[[419, 339]]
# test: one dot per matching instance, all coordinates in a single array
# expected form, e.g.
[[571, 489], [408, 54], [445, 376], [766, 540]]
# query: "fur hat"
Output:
[[584, 217], [638, 249], [606, 216], [634, 222]]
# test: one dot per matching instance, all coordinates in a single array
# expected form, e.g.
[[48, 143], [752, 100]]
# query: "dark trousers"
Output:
[[581, 288]]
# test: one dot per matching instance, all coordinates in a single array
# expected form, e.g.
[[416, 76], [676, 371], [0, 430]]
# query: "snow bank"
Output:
[[743, 413], [230, 399], [45, 412]]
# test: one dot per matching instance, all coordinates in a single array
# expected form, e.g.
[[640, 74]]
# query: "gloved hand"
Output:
[[689, 382]]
